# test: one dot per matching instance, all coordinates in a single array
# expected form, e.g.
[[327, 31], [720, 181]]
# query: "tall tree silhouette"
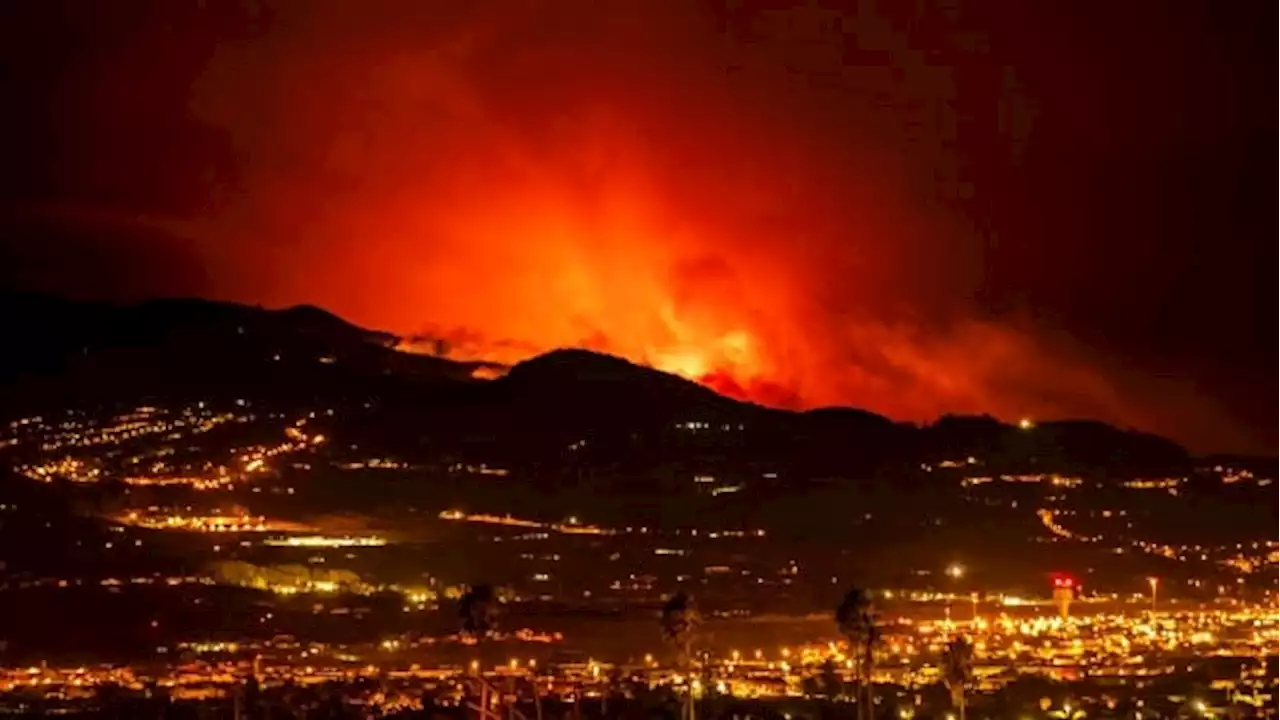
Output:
[[680, 622], [957, 671], [478, 611], [856, 620]]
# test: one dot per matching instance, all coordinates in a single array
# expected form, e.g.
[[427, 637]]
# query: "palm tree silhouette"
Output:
[[957, 670], [680, 621], [856, 621], [478, 611]]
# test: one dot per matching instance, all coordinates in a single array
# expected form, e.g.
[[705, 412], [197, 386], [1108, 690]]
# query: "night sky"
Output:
[[1049, 208]]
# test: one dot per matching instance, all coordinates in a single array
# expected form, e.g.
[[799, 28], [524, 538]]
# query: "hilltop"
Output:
[[66, 352]]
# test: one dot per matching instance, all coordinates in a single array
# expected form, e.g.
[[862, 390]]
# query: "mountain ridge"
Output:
[[97, 350]]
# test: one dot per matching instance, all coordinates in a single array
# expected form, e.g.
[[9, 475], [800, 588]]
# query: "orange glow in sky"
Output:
[[441, 185], [761, 204]]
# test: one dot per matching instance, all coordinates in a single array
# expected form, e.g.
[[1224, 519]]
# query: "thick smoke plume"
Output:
[[776, 203]]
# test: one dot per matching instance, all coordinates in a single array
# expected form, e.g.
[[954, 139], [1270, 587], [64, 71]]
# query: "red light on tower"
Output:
[[1063, 580], [1064, 591]]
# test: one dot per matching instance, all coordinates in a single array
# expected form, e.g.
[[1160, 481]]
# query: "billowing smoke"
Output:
[[778, 206]]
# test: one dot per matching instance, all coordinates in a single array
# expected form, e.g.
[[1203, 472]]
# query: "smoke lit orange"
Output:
[[764, 216], [448, 190]]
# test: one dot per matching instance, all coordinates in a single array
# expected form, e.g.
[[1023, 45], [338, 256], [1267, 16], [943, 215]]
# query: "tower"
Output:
[[1064, 590]]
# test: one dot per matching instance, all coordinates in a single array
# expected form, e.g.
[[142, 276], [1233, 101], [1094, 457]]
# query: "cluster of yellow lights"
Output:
[[1153, 484], [1055, 480], [374, 464], [242, 523], [255, 459], [326, 541], [574, 526], [74, 432], [67, 468], [221, 481], [148, 468], [480, 469], [571, 526], [1263, 555], [1114, 645]]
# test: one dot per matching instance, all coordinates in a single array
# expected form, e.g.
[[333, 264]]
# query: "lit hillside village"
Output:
[[459, 649]]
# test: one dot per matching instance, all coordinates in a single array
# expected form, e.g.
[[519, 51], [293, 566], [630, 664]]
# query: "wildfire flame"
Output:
[[456, 172]]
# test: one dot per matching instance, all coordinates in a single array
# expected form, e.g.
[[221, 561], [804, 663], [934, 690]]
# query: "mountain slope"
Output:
[[96, 352], [71, 353]]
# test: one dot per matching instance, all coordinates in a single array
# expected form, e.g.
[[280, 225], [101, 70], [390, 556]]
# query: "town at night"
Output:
[[637, 359]]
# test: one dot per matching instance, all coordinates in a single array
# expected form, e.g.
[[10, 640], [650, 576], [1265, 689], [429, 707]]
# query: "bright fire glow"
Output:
[[464, 178]]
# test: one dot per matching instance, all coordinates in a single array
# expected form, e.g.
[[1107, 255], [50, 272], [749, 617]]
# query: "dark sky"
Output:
[[1042, 208]]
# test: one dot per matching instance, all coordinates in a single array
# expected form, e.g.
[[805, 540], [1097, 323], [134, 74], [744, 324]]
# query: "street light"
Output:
[[1154, 582], [955, 571]]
